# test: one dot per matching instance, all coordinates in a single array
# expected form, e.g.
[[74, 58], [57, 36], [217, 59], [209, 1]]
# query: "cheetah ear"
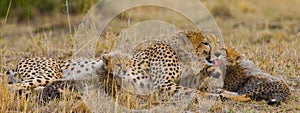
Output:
[[105, 59]]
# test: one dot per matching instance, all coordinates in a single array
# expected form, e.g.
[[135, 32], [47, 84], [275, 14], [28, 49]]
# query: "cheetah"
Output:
[[207, 45], [156, 67], [32, 73], [243, 78]]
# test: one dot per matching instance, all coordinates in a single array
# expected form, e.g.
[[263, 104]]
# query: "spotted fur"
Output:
[[156, 67], [82, 69], [34, 72], [244, 78]]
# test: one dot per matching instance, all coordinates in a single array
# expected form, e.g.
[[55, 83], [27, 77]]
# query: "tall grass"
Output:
[[23, 9], [247, 27]]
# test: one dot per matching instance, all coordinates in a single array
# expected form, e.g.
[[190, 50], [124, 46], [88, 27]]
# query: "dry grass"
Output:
[[267, 32]]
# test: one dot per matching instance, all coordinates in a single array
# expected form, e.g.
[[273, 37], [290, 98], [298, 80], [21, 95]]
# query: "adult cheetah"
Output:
[[156, 67]]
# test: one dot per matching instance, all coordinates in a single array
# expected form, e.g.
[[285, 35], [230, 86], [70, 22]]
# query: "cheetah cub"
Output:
[[244, 81]]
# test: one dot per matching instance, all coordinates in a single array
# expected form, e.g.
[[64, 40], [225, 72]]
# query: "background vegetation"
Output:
[[22, 9], [267, 32]]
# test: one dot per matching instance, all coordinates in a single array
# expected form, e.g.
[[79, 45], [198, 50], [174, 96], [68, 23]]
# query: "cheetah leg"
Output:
[[26, 84], [179, 91], [234, 96]]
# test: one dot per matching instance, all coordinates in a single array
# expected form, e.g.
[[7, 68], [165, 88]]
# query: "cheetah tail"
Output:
[[11, 74], [275, 101]]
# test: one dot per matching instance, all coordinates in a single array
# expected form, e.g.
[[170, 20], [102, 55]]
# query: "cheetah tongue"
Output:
[[217, 62]]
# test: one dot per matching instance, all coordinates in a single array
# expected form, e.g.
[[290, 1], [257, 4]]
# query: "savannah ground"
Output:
[[267, 32]]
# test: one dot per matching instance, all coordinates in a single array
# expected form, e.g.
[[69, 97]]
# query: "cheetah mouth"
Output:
[[215, 62]]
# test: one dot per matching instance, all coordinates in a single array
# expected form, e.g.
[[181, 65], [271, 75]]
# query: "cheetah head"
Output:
[[207, 45], [116, 63], [233, 56]]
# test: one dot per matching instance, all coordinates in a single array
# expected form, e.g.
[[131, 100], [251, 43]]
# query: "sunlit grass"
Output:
[[268, 34]]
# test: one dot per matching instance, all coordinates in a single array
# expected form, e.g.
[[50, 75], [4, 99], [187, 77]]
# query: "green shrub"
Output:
[[29, 8]]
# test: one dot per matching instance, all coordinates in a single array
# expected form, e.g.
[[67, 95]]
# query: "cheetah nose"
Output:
[[218, 54], [124, 72]]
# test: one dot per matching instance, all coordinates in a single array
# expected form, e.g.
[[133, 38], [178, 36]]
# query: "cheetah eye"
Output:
[[205, 43], [118, 65]]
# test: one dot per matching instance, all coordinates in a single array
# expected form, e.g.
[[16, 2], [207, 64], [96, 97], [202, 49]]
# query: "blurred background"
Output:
[[42, 15], [50, 15], [22, 9]]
